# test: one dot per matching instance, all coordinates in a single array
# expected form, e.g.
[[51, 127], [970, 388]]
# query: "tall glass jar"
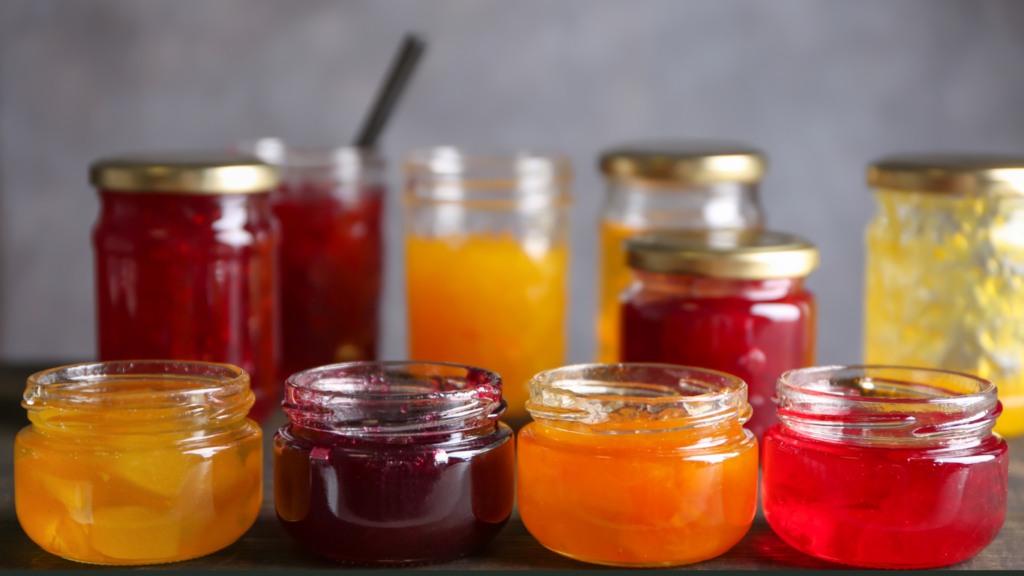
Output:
[[686, 184], [185, 263], [329, 206], [487, 262], [726, 300], [637, 465], [885, 467], [945, 270], [394, 462], [138, 462]]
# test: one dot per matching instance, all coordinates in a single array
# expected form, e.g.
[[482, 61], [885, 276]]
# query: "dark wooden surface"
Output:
[[266, 545]]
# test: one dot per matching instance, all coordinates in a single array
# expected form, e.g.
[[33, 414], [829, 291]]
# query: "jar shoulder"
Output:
[[289, 438], [993, 447]]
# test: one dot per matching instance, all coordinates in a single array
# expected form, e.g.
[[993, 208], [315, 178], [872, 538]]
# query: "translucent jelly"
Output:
[[753, 329], [137, 462], [614, 470], [407, 465], [490, 301], [885, 467], [189, 277]]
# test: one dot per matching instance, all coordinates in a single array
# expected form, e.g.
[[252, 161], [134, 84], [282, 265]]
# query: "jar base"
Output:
[[667, 564]]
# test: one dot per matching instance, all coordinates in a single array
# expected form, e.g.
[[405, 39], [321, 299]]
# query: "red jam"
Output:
[[902, 472], [189, 277], [753, 329], [394, 463]]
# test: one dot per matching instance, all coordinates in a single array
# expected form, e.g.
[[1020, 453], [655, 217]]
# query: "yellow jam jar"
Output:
[[945, 270], [138, 462]]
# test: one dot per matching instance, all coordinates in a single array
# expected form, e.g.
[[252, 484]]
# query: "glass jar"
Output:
[[687, 184], [329, 207], [138, 462], [885, 467], [185, 262], [726, 300], [945, 270], [487, 262], [637, 465], [394, 462]]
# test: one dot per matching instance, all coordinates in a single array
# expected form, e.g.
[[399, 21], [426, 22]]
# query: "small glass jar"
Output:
[[185, 262], [488, 262], [945, 270], [329, 206], [637, 465], [726, 300], [885, 467], [394, 462], [686, 184], [138, 462]]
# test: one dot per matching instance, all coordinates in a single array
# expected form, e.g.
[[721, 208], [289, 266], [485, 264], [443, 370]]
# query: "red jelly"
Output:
[[394, 462], [329, 206], [184, 249], [724, 300], [885, 467]]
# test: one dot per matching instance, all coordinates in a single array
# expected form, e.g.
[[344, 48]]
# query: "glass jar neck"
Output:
[[646, 204], [887, 406], [347, 173], [685, 285]]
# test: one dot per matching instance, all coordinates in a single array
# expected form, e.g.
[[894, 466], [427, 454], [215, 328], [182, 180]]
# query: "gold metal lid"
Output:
[[184, 173], [734, 254], [966, 174], [685, 161]]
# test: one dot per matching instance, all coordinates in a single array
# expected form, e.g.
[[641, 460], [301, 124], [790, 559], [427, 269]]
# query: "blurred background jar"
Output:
[[685, 184], [185, 262], [329, 205], [945, 270], [487, 260], [727, 300]]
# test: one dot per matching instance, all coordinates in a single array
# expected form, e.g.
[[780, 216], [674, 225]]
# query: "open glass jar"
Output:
[[638, 465], [138, 462], [185, 253], [885, 467], [394, 462], [487, 260], [726, 300], [684, 184], [945, 270]]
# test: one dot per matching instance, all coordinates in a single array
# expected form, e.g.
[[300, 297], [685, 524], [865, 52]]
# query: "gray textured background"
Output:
[[824, 87]]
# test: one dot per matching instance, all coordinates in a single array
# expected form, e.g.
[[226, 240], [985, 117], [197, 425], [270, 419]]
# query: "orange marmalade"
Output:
[[637, 465], [138, 462]]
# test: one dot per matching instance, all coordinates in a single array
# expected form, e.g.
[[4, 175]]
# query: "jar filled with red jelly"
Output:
[[885, 467], [185, 263], [727, 300], [329, 206], [394, 462]]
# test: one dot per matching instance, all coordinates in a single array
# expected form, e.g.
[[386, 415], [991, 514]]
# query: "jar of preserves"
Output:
[[885, 467], [138, 462], [726, 300], [685, 184], [487, 260], [329, 206], [637, 465], [945, 270], [185, 262], [394, 462]]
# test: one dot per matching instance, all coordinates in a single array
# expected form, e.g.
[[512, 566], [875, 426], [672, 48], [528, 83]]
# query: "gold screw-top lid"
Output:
[[184, 173], [685, 161], [733, 254], [966, 174]]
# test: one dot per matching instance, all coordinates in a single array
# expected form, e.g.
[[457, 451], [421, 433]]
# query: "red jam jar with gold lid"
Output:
[[185, 263], [727, 300]]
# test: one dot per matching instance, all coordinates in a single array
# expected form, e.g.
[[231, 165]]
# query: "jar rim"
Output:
[[987, 387], [277, 152]]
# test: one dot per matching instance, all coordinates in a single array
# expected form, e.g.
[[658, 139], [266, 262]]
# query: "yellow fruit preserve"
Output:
[[945, 289], [138, 462], [493, 301]]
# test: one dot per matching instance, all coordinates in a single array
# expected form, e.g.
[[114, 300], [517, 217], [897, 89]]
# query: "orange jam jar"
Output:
[[637, 465], [138, 462]]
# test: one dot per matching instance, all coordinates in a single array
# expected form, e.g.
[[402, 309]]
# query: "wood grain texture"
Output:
[[266, 545]]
